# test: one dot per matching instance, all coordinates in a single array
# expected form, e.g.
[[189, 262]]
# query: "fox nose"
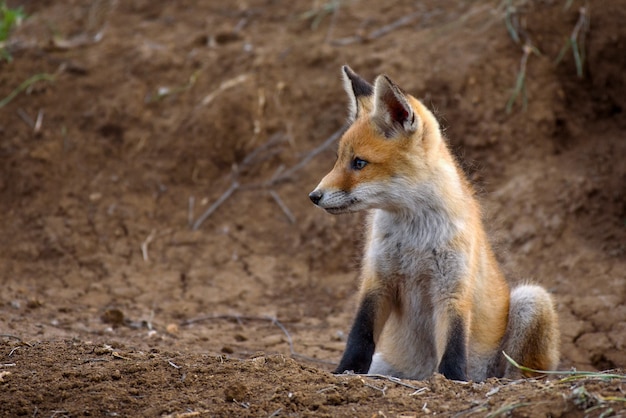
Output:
[[316, 196]]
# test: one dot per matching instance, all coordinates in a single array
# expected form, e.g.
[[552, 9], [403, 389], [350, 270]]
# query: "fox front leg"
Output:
[[370, 317], [453, 364]]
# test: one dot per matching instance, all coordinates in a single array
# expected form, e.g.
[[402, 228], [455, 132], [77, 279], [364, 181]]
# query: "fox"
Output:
[[432, 295]]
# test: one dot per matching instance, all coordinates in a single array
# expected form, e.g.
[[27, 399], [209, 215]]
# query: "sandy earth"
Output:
[[113, 305]]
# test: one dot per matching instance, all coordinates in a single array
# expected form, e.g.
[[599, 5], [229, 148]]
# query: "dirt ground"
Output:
[[151, 112]]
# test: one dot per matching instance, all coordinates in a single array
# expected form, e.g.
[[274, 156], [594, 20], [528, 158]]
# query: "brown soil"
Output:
[[112, 305]]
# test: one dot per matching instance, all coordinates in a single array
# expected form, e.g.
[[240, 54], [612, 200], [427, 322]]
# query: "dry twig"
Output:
[[283, 207], [279, 175], [192, 202], [395, 380], [382, 390], [225, 85], [306, 159], [145, 243], [39, 121], [233, 187], [15, 337], [275, 413], [380, 32], [26, 118], [272, 319]]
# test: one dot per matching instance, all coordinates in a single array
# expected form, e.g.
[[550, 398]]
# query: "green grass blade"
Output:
[[508, 20], [573, 374], [563, 51], [25, 84], [507, 408], [519, 88], [577, 58]]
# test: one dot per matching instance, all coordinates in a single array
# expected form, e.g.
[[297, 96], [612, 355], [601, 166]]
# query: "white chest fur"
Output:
[[415, 248]]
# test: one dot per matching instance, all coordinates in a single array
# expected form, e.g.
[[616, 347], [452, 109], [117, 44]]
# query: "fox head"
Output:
[[385, 157]]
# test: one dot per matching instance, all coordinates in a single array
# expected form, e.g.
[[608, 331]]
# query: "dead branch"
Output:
[[233, 187], [382, 390], [283, 207], [380, 32], [254, 155], [403, 21], [145, 243], [284, 330], [395, 380], [279, 175], [26, 118], [307, 158], [272, 319]]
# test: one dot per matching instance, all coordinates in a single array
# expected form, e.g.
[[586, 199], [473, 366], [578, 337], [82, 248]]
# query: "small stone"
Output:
[[114, 317], [236, 392]]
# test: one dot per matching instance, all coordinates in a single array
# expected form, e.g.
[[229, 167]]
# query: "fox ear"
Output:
[[357, 88], [392, 113]]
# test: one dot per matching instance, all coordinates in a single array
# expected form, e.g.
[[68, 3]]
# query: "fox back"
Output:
[[432, 295]]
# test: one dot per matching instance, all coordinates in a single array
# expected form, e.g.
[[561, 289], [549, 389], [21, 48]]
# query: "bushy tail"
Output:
[[532, 335]]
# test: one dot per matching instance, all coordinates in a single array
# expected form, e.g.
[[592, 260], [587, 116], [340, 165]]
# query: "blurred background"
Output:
[[156, 157]]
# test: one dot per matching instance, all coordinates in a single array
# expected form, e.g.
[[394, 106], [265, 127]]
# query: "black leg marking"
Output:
[[454, 362], [360, 347]]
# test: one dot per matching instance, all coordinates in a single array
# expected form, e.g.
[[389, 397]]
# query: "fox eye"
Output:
[[358, 164]]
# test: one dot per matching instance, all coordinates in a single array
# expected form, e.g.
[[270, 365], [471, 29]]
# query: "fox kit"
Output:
[[432, 296]]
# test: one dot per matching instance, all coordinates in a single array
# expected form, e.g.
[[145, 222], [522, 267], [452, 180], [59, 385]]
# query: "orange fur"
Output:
[[432, 295]]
